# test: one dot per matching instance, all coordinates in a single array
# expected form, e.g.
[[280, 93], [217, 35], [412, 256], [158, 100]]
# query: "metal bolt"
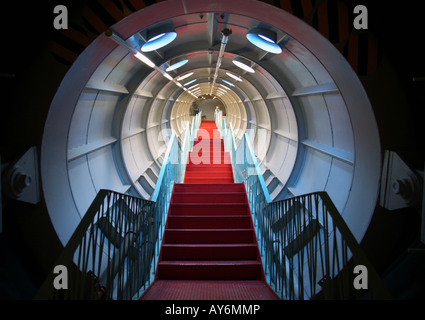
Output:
[[21, 181]]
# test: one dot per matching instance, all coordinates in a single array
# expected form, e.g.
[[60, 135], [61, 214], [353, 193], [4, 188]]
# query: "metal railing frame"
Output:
[[307, 249], [113, 252]]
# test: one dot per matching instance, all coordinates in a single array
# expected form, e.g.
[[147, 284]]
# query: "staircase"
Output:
[[209, 249]]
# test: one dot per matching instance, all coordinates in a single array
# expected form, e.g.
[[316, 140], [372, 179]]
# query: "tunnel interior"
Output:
[[305, 110], [395, 97]]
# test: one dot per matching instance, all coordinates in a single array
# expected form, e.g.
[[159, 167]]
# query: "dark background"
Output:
[[31, 73]]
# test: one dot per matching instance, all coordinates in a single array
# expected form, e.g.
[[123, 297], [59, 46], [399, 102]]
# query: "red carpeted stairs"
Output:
[[209, 250]]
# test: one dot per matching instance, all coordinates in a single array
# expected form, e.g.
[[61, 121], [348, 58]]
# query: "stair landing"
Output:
[[209, 290]]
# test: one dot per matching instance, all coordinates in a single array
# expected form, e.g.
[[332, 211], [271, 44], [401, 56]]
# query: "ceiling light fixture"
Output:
[[177, 63], [228, 83], [159, 37], [264, 39], [187, 75], [231, 75], [189, 82], [168, 76], [243, 64], [194, 86], [144, 59]]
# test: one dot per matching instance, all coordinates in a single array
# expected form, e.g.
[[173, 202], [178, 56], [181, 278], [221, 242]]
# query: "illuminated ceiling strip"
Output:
[[231, 75], [187, 75], [138, 55]]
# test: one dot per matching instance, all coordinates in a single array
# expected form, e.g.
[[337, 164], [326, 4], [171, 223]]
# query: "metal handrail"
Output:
[[110, 253], [308, 251], [113, 252]]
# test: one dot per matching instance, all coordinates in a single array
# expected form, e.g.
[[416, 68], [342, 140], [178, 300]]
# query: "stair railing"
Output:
[[307, 249], [110, 253], [113, 252]]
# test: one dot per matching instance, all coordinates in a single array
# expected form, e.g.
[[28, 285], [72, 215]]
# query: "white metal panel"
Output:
[[125, 70], [135, 115], [139, 152], [315, 172], [109, 63], [80, 119], [278, 151], [339, 182], [316, 118], [81, 184], [100, 125], [310, 62], [286, 169], [103, 170], [341, 125]]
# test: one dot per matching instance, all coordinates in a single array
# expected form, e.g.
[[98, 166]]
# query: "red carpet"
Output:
[[209, 250]]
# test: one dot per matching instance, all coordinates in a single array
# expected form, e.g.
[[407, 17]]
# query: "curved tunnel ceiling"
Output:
[[305, 110]]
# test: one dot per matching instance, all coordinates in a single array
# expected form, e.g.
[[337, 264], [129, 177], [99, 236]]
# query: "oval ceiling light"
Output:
[[177, 63], [158, 38], [264, 39], [187, 75], [231, 75], [243, 64]]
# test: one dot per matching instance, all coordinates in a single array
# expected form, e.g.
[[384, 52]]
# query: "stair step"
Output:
[[205, 139], [209, 180], [211, 162], [208, 174], [217, 187], [215, 142], [209, 222], [208, 148], [253, 290], [210, 168], [209, 252], [208, 158], [195, 160], [208, 209], [208, 154], [210, 270], [210, 197], [208, 236]]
